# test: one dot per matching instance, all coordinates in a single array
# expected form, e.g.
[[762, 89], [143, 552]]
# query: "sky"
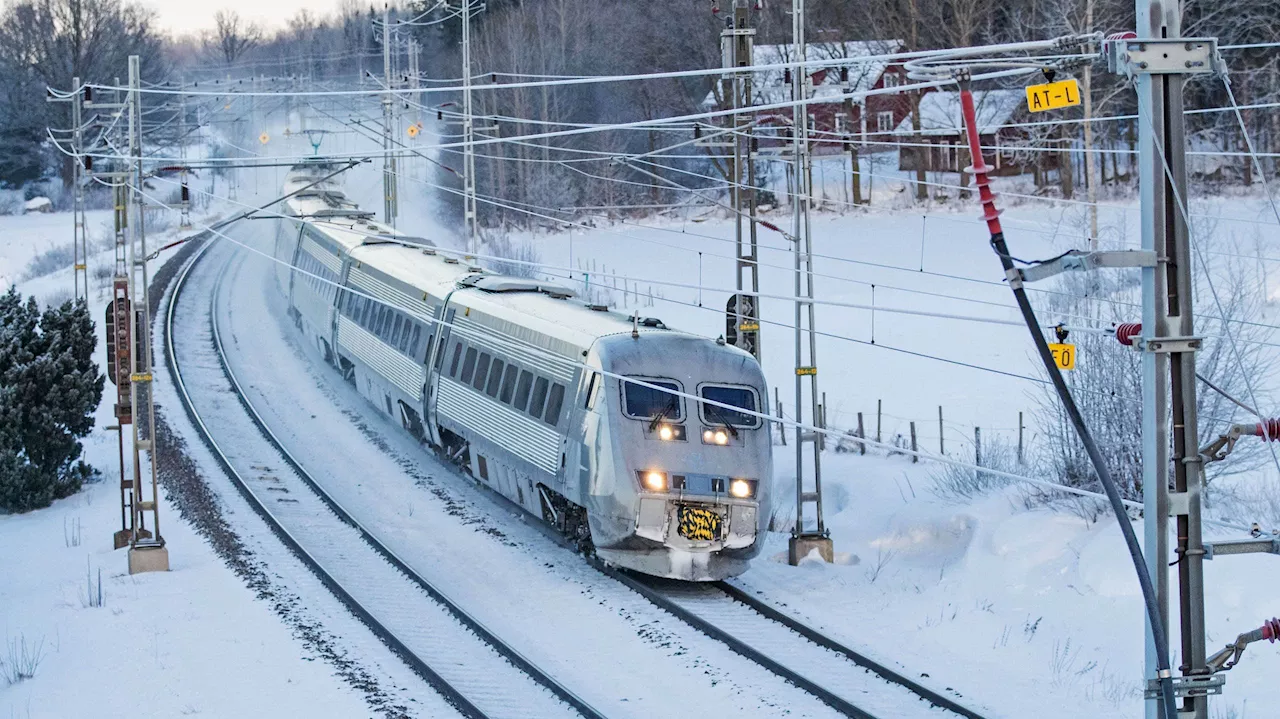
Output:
[[180, 18]]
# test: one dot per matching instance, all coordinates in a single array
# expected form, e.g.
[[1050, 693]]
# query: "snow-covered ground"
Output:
[[1023, 612]]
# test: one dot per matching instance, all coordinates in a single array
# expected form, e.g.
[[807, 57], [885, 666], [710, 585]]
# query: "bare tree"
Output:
[[231, 36]]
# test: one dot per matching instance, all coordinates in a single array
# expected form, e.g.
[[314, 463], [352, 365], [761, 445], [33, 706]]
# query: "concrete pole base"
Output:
[[148, 559], [799, 547]]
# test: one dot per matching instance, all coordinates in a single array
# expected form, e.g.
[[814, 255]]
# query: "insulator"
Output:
[[1272, 429], [844, 74], [493, 77], [697, 131], [88, 162], [186, 193], [786, 76], [439, 114], [1127, 331], [88, 94], [755, 144], [715, 7]]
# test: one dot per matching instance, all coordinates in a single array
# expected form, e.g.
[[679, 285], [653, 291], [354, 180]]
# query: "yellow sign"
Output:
[[263, 138], [805, 371], [1053, 95], [748, 327], [1063, 355], [413, 131]]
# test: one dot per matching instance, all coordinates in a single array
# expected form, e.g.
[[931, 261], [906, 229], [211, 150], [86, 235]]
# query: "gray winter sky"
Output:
[[179, 17]]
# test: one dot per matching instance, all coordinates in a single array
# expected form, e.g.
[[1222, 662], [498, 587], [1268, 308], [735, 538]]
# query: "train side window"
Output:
[[468, 366], [482, 371], [426, 348], [415, 349], [453, 365], [539, 398], [509, 384], [554, 403], [522, 389], [445, 334], [364, 312], [397, 327], [495, 378]]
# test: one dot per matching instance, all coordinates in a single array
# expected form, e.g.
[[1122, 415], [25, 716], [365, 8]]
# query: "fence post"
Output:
[[878, 404], [914, 457], [942, 449], [862, 446], [977, 446], [1020, 455], [782, 428]]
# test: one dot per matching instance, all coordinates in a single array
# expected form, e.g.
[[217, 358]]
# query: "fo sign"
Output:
[[1053, 95], [1063, 355]]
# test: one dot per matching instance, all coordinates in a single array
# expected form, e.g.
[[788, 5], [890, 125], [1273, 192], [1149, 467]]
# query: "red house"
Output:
[[839, 112]]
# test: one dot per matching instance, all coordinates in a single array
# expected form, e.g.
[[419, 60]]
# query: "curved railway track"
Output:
[[841, 677], [473, 669]]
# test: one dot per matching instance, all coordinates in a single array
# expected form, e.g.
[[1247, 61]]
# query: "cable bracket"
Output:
[[1192, 686], [1161, 56], [1263, 545], [1168, 345], [1084, 261]]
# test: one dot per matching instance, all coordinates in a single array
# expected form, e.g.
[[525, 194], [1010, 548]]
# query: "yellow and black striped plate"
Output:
[[698, 524]]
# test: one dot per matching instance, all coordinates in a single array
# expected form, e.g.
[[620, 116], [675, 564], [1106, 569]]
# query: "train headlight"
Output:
[[740, 488], [670, 432], [654, 481], [715, 436]]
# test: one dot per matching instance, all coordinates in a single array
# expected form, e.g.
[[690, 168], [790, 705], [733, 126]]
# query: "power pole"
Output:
[[737, 41], [1160, 59], [468, 136], [185, 221], [804, 538], [388, 159], [147, 551], [79, 239]]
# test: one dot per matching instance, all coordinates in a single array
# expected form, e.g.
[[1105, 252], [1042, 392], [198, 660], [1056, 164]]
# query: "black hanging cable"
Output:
[[992, 217]]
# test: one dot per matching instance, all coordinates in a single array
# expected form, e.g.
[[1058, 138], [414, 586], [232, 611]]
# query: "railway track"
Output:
[[843, 678], [473, 669]]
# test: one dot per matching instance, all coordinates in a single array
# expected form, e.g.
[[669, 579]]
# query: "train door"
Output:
[[339, 296], [293, 265], [435, 359], [576, 473]]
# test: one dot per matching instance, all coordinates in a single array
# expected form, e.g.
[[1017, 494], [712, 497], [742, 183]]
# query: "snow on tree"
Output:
[[49, 389]]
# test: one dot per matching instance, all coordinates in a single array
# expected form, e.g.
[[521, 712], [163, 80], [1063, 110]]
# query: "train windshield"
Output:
[[646, 403], [742, 397]]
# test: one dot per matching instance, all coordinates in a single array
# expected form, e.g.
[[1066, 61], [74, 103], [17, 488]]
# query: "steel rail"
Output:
[[451, 694], [767, 610]]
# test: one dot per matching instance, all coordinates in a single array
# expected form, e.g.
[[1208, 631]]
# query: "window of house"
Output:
[[884, 121], [891, 79]]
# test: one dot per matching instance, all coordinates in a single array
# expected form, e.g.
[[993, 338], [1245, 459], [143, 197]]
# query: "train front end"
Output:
[[681, 486]]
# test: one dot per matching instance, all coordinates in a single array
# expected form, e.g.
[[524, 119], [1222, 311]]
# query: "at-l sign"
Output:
[[1053, 95]]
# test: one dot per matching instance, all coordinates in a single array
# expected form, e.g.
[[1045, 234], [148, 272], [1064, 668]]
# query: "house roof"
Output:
[[940, 112], [769, 86]]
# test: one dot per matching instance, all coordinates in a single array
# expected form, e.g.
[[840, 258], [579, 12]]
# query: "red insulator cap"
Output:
[[1127, 331], [1271, 431], [1271, 629]]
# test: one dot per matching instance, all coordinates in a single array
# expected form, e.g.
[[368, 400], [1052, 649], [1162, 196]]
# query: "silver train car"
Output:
[[519, 384]]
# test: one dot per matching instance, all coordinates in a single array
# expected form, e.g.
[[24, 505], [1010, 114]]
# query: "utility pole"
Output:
[[79, 238], [1160, 59], [804, 538], [147, 551], [737, 41], [185, 221], [468, 136], [388, 159]]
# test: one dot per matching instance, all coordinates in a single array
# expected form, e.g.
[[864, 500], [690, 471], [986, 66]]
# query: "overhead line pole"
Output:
[[805, 537], [388, 158], [470, 215], [1168, 361], [147, 550]]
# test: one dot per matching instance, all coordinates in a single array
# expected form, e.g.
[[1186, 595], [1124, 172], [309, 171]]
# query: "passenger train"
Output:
[[517, 382]]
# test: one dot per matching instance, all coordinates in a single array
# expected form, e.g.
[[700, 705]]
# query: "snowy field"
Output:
[[1023, 612]]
